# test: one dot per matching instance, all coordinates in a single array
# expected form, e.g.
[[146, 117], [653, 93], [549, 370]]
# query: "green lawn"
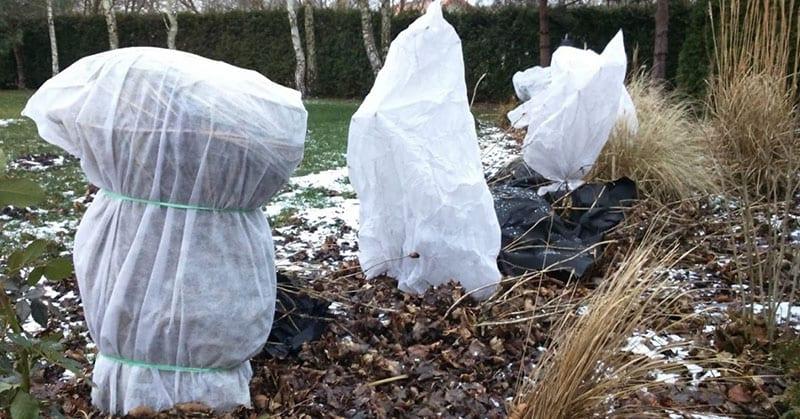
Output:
[[64, 183], [326, 144]]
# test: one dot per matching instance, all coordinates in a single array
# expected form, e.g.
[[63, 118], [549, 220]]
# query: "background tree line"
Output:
[[334, 50]]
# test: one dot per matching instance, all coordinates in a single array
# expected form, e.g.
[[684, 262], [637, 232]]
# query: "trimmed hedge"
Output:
[[498, 42], [694, 62]]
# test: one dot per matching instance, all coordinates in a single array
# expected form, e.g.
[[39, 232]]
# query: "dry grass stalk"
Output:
[[752, 103], [585, 366], [670, 157], [767, 261], [753, 94]]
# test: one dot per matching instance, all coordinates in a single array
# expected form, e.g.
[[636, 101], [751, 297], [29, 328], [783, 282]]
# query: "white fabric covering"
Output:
[[531, 82], [414, 161], [570, 109], [535, 81], [162, 285]]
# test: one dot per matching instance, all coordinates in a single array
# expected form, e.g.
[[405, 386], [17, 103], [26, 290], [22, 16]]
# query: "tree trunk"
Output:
[[172, 27], [369, 38], [311, 48], [111, 23], [17, 48], [386, 27], [544, 34], [402, 6], [300, 59], [53, 44], [660, 47]]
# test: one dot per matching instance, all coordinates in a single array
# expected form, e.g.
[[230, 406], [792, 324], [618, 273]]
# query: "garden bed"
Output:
[[390, 354]]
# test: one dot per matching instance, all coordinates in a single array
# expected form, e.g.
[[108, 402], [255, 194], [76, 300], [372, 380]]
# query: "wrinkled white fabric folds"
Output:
[[162, 286], [535, 81], [570, 110], [414, 162]]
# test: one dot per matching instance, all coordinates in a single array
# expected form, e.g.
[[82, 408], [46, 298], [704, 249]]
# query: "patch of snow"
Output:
[[384, 319], [333, 180], [7, 122], [653, 346], [337, 308], [67, 375], [668, 378], [31, 326], [49, 292], [784, 312], [68, 296], [62, 231], [497, 148], [35, 166]]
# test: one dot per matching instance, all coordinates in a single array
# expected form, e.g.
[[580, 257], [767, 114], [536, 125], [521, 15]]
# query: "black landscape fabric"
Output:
[[299, 318], [536, 237]]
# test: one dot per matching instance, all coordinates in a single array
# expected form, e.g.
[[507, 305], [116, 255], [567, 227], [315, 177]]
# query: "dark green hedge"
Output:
[[497, 42], [694, 63]]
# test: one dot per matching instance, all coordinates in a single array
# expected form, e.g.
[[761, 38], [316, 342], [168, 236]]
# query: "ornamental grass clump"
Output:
[[586, 367], [670, 156], [753, 94]]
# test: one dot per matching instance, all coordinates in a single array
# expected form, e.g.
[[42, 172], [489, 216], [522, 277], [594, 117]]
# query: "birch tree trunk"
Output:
[[17, 49], [369, 38], [111, 23], [544, 34], [386, 27], [172, 27], [660, 47], [300, 59], [311, 48], [53, 44]]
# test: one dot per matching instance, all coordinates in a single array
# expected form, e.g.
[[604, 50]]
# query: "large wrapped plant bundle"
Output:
[[174, 257], [570, 110], [426, 213]]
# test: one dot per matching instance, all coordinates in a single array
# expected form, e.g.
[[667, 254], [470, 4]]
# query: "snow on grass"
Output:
[[33, 164], [335, 180], [7, 122], [316, 212], [63, 231]]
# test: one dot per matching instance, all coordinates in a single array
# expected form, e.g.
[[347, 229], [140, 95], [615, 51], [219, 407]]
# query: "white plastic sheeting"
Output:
[[415, 164], [174, 258], [570, 109]]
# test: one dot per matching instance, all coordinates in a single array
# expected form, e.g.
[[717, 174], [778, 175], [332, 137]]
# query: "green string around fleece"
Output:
[[161, 367], [121, 197]]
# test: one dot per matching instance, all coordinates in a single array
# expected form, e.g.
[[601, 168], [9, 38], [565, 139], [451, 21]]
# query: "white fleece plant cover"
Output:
[[535, 80], [415, 164], [571, 109], [177, 298]]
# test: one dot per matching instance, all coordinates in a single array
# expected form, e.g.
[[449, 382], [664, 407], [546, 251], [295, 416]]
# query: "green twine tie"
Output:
[[121, 197], [161, 367]]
